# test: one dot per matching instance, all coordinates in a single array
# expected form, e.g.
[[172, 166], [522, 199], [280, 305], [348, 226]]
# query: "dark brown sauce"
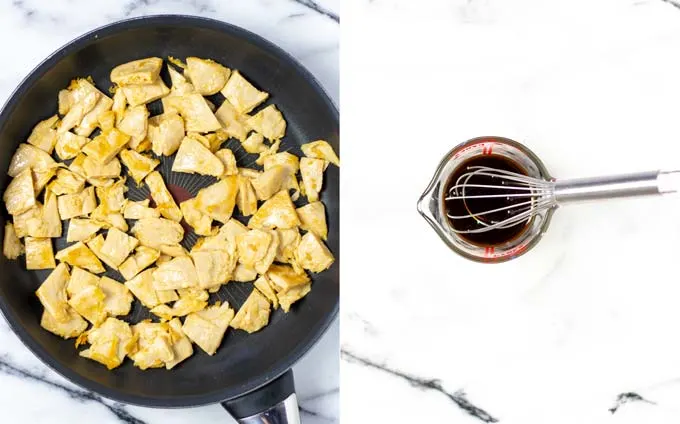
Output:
[[459, 207]]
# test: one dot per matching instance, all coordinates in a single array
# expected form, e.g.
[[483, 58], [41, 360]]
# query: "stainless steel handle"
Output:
[[285, 412], [627, 185]]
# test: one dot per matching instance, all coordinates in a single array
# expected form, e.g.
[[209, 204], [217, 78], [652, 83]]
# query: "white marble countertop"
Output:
[[31, 30], [583, 329]]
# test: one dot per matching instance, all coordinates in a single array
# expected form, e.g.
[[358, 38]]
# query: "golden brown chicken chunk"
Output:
[[195, 158], [195, 111], [39, 253], [141, 71], [74, 205], [44, 135], [136, 263], [142, 287], [253, 314], [207, 76], [109, 343], [190, 300], [269, 122], [139, 210], [320, 149], [288, 297], [161, 196], [271, 181], [277, 212], [207, 327], [11, 245], [264, 286], [312, 177], [19, 196], [118, 246], [154, 345], [106, 146], [285, 277], [179, 273], [313, 218], [157, 232], [213, 267], [166, 132], [29, 157], [134, 124], [52, 293], [73, 326], [228, 160], [242, 94], [218, 200], [181, 345], [141, 94], [232, 122], [312, 254], [246, 199], [82, 229], [80, 255], [68, 145], [67, 182], [257, 249]]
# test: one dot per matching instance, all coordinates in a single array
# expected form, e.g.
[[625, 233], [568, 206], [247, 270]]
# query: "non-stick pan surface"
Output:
[[244, 362]]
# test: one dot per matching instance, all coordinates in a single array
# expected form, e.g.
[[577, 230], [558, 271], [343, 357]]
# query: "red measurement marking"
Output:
[[488, 251]]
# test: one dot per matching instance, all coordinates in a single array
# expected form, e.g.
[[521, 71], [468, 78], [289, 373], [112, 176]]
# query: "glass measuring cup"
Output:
[[431, 202]]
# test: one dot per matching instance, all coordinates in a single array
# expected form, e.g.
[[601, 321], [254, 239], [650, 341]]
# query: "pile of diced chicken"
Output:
[[89, 192]]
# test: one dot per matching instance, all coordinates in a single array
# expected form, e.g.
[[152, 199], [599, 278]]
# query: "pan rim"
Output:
[[183, 401]]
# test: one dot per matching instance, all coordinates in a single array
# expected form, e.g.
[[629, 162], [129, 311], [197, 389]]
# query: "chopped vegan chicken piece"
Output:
[[207, 76], [228, 160], [213, 267], [117, 297], [67, 182], [154, 345], [44, 136], [313, 218], [157, 232], [52, 293], [82, 229], [320, 149], [11, 245], [106, 146], [277, 212], [243, 274], [288, 297], [264, 286], [109, 343], [312, 254], [201, 223], [257, 249], [73, 326], [139, 210], [118, 246], [181, 345], [39, 254], [140, 94], [253, 314], [141, 71], [288, 243], [218, 200], [29, 157], [96, 245], [233, 122], [285, 277], [81, 256], [138, 165], [242, 94], [74, 205], [161, 196], [134, 124], [190, 300], [136, 263], [271, 181], [312, 177], [68, 145], [93, 169], [89, 303], [179, 273], [19, 196], [142, 287], [246, 199], [269, 122], [254, 143], [195, 111], [193, 157], [166, 132], [207, 327]]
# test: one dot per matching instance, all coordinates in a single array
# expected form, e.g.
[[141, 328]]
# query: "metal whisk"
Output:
[[541, 194]]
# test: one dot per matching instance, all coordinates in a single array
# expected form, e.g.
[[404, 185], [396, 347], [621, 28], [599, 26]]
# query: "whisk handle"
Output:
[[608, 187]]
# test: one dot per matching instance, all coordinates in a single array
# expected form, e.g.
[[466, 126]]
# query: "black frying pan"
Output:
[[249, 373]]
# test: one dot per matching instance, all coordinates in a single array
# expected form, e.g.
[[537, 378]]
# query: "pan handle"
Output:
[[274, 403]]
